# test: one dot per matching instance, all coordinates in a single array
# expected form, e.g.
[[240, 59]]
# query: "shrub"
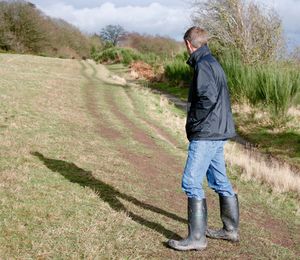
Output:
[[115, 55], [124, 55], [177, 71]]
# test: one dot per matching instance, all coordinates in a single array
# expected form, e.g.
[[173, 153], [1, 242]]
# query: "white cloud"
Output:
[[164, 17], [154, 18], [96, 3]]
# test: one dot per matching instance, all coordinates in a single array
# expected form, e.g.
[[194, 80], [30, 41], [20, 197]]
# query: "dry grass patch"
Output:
[[279, 176]]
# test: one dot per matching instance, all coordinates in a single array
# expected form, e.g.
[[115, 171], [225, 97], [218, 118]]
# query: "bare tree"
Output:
[[112, 34], [245, 25]]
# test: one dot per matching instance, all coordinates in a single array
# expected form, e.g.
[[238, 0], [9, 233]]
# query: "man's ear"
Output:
[[189, 46]]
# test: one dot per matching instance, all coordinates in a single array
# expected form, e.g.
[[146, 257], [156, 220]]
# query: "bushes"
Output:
[[280, 86], [123, 55], [25, 29], [116, 55], [273, 86], [177, 71], [246, 25], [19, 28]]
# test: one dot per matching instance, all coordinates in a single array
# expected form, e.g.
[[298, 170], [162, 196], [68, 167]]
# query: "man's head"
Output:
[[194, 38]]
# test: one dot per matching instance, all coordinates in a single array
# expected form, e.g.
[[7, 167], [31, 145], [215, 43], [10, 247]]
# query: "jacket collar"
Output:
[[197, 55]]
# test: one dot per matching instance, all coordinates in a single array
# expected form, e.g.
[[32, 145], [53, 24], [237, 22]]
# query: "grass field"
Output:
[[91, 169]]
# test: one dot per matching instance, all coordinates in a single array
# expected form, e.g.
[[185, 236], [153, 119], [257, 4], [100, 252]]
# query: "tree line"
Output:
[[25, 29], [116, 35]]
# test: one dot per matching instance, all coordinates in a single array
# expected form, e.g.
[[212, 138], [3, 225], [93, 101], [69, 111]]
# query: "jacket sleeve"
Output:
[[207, 92]]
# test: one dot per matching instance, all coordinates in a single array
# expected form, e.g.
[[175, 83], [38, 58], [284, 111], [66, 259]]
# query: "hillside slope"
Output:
[[91, 168]]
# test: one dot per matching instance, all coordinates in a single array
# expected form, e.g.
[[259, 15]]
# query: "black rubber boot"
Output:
[[197, 218], [229, 210]]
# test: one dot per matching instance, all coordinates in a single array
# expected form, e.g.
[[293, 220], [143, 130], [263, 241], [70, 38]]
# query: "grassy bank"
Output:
[[91, 169], [257, 126]]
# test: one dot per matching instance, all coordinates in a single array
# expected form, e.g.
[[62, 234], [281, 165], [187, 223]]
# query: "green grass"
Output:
[[177, 91], [275, 86], [275, 132], [68, 193], [282, 142]]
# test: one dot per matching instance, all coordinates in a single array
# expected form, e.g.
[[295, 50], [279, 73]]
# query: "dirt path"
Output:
[[157, 162], [158, 168]]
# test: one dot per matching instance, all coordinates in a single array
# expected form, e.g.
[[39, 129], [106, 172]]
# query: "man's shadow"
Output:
[[108, 193]]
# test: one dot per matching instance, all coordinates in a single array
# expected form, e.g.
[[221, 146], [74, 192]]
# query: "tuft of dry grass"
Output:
[[255, 166]]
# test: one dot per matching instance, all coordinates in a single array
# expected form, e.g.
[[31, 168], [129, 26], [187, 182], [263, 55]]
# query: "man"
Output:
[[209, 124]]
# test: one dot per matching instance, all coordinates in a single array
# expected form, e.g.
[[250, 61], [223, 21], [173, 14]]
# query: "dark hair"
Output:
[[196, 36]]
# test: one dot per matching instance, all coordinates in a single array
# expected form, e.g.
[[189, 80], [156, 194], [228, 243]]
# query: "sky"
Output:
[[167, 18]]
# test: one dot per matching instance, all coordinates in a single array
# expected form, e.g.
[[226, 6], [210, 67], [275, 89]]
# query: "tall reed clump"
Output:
[[272, 85], [177, 71], [277, 87]]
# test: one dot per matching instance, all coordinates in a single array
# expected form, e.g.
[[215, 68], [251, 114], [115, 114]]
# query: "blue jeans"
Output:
[[206, 158]]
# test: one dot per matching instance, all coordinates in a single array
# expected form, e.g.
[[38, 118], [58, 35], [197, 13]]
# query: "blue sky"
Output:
[[169, 17]]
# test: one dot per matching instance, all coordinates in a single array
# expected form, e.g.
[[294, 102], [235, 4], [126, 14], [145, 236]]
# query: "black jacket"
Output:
[[209, 112]]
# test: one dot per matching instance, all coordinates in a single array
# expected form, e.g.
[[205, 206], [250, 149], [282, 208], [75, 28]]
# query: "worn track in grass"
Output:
[[154, 168], [90, 170]]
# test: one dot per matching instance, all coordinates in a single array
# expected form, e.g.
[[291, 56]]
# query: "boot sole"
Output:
[[224, 238], [187, 248], [234, 239]]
